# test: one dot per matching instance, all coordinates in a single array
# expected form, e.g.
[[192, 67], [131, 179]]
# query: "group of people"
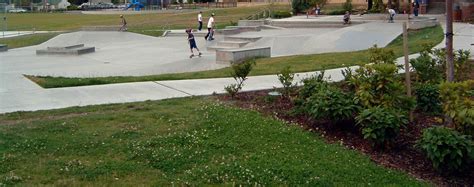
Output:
[[211, 24]]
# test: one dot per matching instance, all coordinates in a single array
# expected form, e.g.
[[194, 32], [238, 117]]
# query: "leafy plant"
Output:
[[377, 85], [381, 55], [458, 104], [331, 103], [446, 148], [462, 66], [427, 97], [427, 69], [310, 86], [380, 125], [281, 14], [239, 72], [286, 78]]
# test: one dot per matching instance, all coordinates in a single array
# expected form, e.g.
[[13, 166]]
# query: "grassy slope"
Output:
[[27, 40], [298, 63], [178, 141]]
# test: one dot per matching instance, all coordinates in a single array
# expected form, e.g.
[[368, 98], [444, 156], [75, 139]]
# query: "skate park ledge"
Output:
[[238, 55]]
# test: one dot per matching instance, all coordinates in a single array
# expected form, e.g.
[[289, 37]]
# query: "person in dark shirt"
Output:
[[192, 43]]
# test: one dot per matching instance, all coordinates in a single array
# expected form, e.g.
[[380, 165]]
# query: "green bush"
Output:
[[299, 6], [239, 72], [286, 79], [380, 125], [381, 55], [331, 103], [336, 12], [462, 66], [427, 97], [310, 86], [281, 14], [458, 104], [378, 85], [446, 148], [427, 69], [72, 7]]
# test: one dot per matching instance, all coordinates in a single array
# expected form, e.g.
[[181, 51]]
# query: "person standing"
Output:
[[318, 10], [416, 6], [391, 13], [124, 24], [200, 20], [210, 28]]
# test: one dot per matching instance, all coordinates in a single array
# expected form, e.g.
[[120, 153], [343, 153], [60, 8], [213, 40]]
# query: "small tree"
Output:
[[286, 79], [240, 71]]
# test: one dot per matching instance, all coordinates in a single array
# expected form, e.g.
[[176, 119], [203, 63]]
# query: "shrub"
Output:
[[286, 79], [457, 104], [381, 55], [462, 66], [378, 85], [427, 98], [331, 103], [336, 12], [347, 6], [311, 85], [239, 72], [299, 6], [446, 148], [281, 14], [380, 125], [427, 69]]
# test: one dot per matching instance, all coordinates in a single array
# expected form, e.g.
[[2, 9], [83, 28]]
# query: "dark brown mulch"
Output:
[[402, 155]]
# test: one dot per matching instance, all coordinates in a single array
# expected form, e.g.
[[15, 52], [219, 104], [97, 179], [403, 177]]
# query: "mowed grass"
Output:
[[27, 40], [190, 141], [264, 66], [149, 21]]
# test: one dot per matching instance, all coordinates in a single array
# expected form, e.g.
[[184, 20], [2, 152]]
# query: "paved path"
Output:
[[26, 96]]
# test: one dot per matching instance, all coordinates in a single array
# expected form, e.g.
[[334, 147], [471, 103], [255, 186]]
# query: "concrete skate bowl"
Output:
[[298, 41], [117, 54]]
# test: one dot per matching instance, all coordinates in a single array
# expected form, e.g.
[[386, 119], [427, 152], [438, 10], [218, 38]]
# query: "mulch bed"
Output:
[[402, 155]]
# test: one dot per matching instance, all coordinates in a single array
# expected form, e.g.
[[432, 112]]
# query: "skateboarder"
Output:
[[124, 24], [192, 43], [347, 18], [391, 14], [210, 28]]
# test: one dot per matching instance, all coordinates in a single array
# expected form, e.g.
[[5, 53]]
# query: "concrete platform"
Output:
[[228, 56], [78, 49]]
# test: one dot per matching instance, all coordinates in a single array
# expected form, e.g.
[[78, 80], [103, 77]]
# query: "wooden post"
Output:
[[449, 42], [407, 65]]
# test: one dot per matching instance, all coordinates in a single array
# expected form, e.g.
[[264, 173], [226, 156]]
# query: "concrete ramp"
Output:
[[353, 38]]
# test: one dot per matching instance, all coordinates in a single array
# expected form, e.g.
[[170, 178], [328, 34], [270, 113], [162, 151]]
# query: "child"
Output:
[[192, 43], [347, 18], [124, 24]]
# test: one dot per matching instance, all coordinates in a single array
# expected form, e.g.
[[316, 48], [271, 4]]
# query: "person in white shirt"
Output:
[[210, 28], [200, 20], [391, 13]]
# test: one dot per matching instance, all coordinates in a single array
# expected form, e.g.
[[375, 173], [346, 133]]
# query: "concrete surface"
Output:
[[131, 54]]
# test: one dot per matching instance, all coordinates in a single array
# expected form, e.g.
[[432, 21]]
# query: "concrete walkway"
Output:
[[26, 96]]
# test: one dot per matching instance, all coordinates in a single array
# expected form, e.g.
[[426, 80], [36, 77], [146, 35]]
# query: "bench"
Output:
[[237, 55]]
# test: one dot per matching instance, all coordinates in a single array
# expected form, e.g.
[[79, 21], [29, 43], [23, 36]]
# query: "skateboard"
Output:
[[199, 55]]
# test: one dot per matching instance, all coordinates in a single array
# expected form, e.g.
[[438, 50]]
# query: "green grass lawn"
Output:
[[27, 40], [264, 66], [175, 142]]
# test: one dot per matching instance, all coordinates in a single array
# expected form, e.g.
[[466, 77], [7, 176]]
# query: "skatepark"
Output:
[[130, 54]]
